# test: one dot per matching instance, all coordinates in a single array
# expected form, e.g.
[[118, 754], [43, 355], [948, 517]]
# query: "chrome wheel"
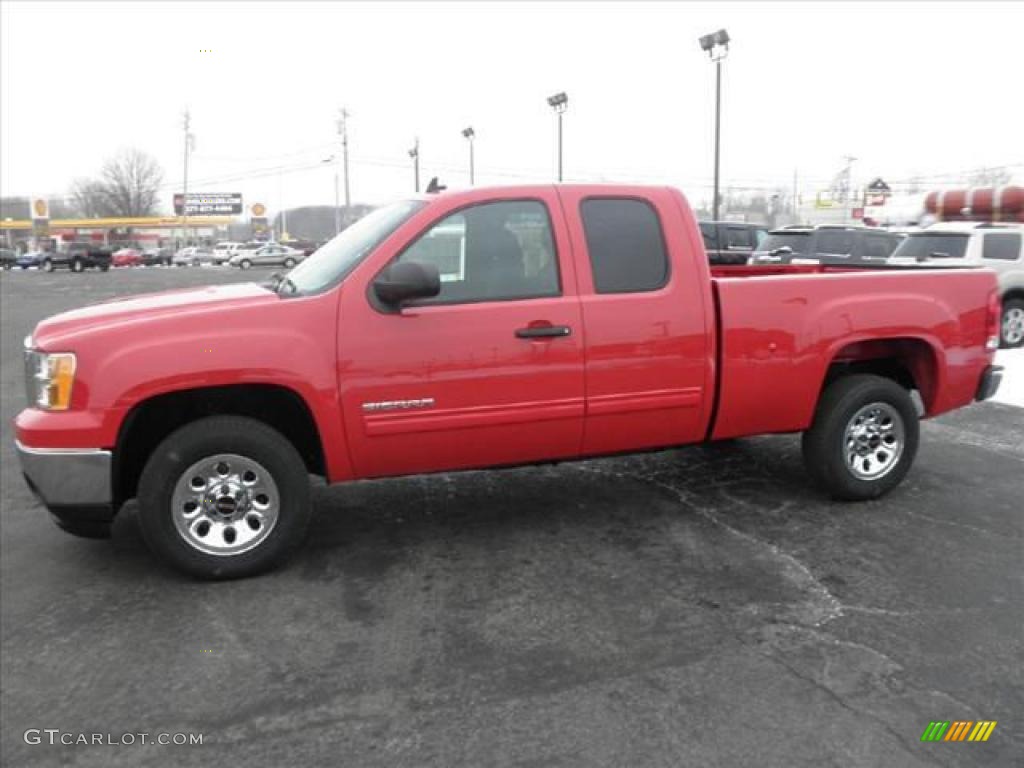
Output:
[[1013, 326], [225, 504], [873, 441]]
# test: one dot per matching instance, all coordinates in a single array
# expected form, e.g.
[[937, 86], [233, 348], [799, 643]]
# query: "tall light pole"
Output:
[[343, 116], [559, 102], [470, 134], [717, 47], [414, 153]]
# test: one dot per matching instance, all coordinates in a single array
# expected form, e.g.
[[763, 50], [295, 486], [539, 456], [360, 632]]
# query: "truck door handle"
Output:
[[543, 331]]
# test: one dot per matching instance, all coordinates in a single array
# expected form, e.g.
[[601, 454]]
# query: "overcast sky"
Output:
[[913, 89]]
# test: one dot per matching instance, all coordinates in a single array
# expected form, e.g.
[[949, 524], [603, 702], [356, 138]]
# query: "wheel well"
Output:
[[1013, 293], [149, 422], [910, 363]]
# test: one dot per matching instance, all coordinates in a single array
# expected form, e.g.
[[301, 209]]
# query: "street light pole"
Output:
[[717, 47], [470, 134], [337, 205], [559, 102], [414, 153]]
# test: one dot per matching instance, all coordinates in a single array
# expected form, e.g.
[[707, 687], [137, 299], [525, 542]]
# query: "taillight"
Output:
[[992, 321]]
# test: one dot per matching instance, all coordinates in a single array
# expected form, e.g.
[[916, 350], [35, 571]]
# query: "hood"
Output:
[[54, 330]]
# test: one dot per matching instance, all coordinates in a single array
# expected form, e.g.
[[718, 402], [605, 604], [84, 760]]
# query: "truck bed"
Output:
[[781, 327]]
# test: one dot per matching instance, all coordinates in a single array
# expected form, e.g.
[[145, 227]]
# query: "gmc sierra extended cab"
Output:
[[474, 329]]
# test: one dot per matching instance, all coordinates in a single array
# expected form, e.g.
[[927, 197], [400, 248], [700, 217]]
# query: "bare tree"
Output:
[[88, 199], [131, 181]]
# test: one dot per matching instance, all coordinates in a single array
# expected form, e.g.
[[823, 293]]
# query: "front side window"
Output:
[[932, 245], [1004, 246], [491, 252], [626, 245], [795, 241]]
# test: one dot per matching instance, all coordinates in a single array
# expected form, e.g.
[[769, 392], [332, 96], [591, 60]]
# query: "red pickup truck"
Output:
[[482, 328]]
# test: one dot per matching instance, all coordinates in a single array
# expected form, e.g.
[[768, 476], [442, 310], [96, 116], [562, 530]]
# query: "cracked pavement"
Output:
[[701, 606]]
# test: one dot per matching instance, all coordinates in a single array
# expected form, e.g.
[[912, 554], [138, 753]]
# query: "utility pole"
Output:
[[343, 132], [796, 215], [187, 121], [414, 153]]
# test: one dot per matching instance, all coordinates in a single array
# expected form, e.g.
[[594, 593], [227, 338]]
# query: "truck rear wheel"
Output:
[[47, 265], [1011, 333], [77, 265], [863, 439], [224, 497]]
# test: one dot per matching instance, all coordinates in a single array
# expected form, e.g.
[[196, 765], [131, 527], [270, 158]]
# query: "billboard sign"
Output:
[[208, 204]]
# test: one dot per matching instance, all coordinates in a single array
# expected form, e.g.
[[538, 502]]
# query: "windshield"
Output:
[[339, 256], [796, 241], [932, 245]]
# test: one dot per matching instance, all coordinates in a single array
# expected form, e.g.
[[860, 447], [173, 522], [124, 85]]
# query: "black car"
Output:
[[731, 242], [78, 257], [152, 257], [826, 244]]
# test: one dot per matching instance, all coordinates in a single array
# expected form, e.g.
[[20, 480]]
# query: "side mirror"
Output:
[[405, 281]]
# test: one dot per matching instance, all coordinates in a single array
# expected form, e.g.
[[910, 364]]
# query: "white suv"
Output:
[[996, 246]]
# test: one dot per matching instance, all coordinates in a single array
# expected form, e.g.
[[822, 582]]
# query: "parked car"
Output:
[[79, 256], [996, 246], [306, 246], [75, 256], [194, 256], [826, 244], [271, 254], [157, 257], [34, 259], [126, 257], [8, 258], [731, 242], [222, 252], [575, 321]]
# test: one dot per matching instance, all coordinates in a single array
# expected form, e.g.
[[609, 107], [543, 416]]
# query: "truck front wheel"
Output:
[[863, 439], [224, 497]]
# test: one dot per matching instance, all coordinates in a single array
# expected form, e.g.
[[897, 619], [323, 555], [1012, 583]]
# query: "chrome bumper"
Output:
[[68, 477]]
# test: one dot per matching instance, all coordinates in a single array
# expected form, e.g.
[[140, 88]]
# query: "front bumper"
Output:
[[74, 484], [989, 383]]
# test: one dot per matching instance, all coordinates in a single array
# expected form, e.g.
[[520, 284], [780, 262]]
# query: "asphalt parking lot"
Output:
[[693, 607]]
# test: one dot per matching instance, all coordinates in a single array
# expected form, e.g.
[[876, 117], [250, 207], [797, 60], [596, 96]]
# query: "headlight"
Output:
[[48, 379]]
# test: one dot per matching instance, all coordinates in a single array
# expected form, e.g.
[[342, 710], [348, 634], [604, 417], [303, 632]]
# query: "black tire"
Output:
[[195, 263], [77, 265], [48, 265], [104, 267], [252, 440], [1011, 336], [824, 444], [245, 264], [289, 263]]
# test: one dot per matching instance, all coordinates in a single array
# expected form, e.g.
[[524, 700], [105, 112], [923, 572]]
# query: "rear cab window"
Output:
[[626, 245], [709, 231]]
